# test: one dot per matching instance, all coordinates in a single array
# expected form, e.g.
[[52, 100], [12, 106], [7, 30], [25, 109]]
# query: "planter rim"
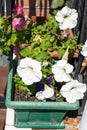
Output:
[[42, 105], [30, 104]]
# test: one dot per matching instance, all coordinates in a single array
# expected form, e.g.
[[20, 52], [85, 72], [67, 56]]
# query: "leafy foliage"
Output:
[[51, 39], [5, 34], [9, 38]]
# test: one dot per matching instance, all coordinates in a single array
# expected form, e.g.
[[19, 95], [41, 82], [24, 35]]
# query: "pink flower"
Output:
[[16, 50], [23, 45], [18, 9], [19, 24]]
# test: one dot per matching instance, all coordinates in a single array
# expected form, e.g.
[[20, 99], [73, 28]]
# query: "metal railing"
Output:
[[7, 5]]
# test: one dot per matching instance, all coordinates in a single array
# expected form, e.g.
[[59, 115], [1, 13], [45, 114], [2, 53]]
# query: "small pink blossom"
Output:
[[19, 24], [18, 9], [23, 45]]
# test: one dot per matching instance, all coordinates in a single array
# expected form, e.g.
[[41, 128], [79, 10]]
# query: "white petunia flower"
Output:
[[73, 90], [84, 50], [47, 93], [61, 71], [67, 18], [29, 70]]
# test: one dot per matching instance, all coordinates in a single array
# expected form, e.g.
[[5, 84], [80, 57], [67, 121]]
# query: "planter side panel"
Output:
[[39, 118]]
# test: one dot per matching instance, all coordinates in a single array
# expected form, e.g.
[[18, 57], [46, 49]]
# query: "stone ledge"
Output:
[[10, 121], [14, 128]]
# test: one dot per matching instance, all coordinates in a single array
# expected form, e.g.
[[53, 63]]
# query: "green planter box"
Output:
[[36, 114]]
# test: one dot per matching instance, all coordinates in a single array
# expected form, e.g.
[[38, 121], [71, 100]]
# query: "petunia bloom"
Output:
[[40, 86], [73, 90], [67, 18], [48, 92], [84, 50], [29, 70], [19, 24], [18, 9], [62, 70]]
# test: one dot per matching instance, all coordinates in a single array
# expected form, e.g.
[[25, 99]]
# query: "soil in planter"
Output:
[[23, 95]]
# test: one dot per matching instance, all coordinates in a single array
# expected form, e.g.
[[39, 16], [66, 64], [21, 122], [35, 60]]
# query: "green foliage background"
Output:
[[68, 2]]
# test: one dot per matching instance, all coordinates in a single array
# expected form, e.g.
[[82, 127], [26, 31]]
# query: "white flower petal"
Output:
[[27, 81], [68, 23], [61, 63], [39, 95], [61, 71], [61, 76], [59, 17], [74, 96], [69, 68], [73, 91], [29, 70], [63, 26], [74, 15], [67, 18], [48, 92], [84, 53], [66, 10], [84, 50]]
